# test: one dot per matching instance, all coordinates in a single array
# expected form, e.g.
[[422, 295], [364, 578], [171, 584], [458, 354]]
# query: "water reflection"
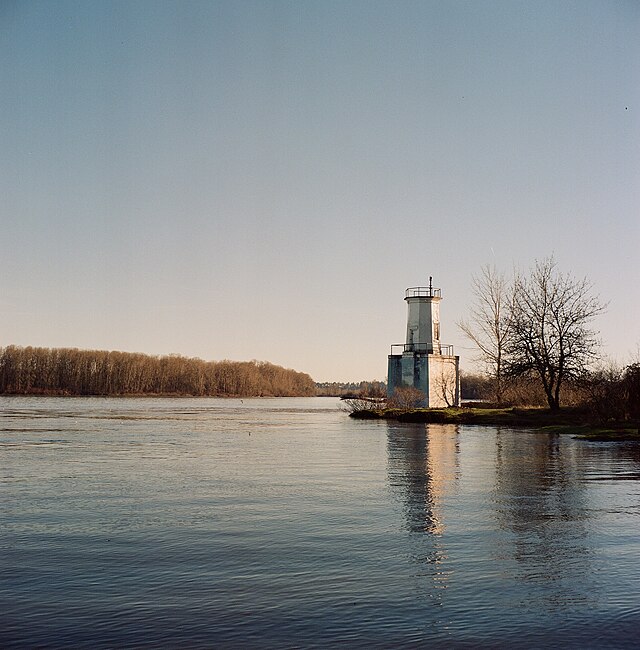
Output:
[[526, 513], [541, 504], [422, 468]]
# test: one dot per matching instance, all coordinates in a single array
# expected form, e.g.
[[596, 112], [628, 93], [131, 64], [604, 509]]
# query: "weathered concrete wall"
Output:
[[408, 370], [394, 373], [444, 381], [435, 375]]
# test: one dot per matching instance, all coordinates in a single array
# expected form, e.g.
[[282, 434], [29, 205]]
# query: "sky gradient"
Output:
[[262, 180]]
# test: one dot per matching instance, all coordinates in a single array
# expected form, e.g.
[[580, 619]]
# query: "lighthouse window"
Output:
[[436, 330]]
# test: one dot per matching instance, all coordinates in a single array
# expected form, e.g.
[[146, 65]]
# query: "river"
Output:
[[275, 523]]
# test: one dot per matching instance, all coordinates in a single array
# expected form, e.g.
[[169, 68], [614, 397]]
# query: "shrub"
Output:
[[613, 394], [363, 406], [406, 398]]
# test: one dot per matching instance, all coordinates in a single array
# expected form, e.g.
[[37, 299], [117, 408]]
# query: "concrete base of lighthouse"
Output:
[[436, 375]]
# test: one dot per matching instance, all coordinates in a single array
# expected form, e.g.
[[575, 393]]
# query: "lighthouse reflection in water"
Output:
[[423, 471]]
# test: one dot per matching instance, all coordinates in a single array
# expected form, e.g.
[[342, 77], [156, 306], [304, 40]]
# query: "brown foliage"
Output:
[[406, 398], [69, 371], [613, 394], [351, 389], [516, 391]]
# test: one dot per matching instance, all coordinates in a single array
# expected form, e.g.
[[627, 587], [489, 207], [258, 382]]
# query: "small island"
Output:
[[577, 420], [572, 420]]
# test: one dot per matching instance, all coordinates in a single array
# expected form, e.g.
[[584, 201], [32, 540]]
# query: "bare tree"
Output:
[[489, 323], [446, 383], [549, 332]]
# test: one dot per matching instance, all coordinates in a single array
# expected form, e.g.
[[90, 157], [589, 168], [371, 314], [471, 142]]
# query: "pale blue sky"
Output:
[[264, 179]]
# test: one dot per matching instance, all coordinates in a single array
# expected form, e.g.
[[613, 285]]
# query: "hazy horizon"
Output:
[[263, 180]]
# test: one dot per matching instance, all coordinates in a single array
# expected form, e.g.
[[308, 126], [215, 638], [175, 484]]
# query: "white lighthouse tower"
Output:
[[422, 362], [423, 320]]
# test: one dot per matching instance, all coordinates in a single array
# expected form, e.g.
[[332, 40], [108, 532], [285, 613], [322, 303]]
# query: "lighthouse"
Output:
[[423, 362]]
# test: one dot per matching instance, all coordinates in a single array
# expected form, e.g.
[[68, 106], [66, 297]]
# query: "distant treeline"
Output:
[[523, 391], [351, 389], [68, 371]]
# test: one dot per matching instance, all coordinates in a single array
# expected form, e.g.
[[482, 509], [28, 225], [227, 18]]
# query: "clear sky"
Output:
[[262, 180]]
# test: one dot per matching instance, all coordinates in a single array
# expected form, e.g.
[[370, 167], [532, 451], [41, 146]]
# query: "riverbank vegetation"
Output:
[[482, 415], [604, 405], [69, 371]]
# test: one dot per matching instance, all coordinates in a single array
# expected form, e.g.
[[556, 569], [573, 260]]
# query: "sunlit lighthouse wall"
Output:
[[423, 362]]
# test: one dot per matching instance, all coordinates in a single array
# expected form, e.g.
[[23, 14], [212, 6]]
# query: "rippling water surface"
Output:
[[283, 523]]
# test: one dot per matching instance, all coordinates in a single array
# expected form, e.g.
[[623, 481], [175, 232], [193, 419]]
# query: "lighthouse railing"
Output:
[[422, 348], [423, 292]]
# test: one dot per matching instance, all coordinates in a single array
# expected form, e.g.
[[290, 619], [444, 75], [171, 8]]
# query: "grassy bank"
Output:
[[566, 421]]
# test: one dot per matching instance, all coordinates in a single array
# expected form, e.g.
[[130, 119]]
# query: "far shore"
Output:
[[148, 395]]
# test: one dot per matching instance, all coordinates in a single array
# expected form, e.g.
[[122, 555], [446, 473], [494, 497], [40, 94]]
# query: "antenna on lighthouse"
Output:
[[430, 285]]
